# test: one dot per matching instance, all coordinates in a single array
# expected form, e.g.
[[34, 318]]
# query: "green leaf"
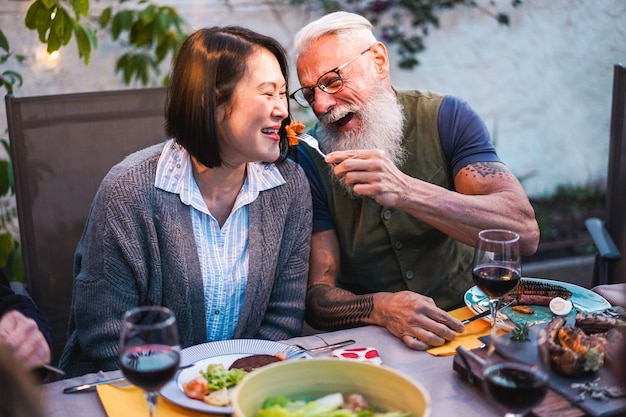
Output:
[[121, 21], [122, 65], [80, 7], [105, 17], [162, 49], [520, 333], [141, 34], [54, 43], [135, 66], [12, 77], [6, 246], [6, 85], [62, 26], [15, 264], [162, 23], [4, 42], [6, 146], [93, 36], [31, 14], [148, 14], [5, 185], [83, 42], [49, 4], [38, 18]]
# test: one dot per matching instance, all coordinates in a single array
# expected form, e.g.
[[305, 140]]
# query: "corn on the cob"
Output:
[[543, 289]]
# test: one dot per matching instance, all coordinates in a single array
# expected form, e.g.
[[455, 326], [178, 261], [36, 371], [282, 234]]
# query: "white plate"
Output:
[[583, 299], [224, 352]]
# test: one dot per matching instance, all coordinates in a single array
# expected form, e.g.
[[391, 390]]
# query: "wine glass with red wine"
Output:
[[149, 350], [497, 265], [516, 373]]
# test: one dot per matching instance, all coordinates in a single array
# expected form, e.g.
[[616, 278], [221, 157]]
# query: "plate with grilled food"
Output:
[[210, 370], [586, 354], [537, 300]]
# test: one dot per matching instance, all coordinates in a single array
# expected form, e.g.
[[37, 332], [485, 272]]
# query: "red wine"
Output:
[[150, 366], [495, 280], [516, 387]]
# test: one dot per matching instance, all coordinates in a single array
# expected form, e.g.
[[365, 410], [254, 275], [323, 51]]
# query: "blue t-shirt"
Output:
[[464, 140]]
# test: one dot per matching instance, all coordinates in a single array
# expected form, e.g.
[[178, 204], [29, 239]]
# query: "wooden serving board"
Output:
[[554, 405]]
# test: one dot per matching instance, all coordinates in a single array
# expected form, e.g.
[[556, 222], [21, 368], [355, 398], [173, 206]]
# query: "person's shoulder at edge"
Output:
[[416, 92], [464, 136], [452, 103], [133, 166]]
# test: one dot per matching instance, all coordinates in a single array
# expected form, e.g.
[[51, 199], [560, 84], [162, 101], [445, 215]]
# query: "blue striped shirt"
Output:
[[223, 252]]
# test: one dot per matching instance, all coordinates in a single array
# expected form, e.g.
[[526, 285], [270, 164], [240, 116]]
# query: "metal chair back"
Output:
[[62, 146], [610, 235]]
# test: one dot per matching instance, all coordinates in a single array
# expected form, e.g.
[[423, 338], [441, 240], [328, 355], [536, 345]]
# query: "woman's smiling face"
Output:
[[250, 122]]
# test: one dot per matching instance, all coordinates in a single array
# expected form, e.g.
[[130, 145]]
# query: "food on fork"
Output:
[[293, 129]]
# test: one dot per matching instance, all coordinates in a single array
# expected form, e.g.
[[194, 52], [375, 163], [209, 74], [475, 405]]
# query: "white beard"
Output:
[[381, 128]]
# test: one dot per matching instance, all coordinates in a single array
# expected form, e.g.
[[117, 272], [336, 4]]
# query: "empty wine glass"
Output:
[[497, 266], [149, 350], [516, 371]]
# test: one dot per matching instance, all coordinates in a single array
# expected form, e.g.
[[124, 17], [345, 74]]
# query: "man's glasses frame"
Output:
[[332, 86]]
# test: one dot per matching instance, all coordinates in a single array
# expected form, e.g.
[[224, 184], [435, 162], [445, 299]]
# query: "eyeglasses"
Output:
[[330, 82]]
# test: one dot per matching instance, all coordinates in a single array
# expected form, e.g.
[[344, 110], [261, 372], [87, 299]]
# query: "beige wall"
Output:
[[542, 85]]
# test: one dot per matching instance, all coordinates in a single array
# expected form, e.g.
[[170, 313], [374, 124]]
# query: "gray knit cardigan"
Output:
[[138, 248]]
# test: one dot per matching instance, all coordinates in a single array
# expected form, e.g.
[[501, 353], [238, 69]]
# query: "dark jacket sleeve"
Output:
[[9, 300]]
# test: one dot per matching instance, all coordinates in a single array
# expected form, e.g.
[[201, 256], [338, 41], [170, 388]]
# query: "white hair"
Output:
[[350, 28]]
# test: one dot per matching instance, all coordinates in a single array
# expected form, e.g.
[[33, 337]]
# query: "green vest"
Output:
[[384, 249]]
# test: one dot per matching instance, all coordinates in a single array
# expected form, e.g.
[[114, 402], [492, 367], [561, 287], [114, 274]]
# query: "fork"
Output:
[[485, 313], [119, 380], [297, 349], [312, 142]]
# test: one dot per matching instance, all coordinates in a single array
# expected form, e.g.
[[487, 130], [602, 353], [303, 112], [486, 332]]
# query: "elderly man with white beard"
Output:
[[409, 179]]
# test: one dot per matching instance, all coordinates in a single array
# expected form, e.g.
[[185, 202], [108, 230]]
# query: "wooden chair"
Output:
[[609, 236], [62, 146]]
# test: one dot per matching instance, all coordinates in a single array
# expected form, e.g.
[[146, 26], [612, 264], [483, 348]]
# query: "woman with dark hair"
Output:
[[214, 224]]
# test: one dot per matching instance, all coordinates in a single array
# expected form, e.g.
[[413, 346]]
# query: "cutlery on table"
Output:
[[92, 385], [53, 369], [297, 349], [300, 349], [484, 314]]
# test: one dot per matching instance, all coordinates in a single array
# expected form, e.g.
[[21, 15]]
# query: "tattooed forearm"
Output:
[[486, 169], [330, 308]]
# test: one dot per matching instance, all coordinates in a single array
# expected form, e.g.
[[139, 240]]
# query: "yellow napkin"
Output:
[[467, 339], [129, 401]]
